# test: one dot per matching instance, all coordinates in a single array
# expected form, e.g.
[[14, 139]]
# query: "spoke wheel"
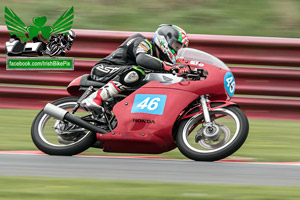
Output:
[[57, 137], [227, 133]]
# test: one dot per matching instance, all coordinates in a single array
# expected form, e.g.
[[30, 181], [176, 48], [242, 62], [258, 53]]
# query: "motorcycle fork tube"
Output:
[[205, 110]]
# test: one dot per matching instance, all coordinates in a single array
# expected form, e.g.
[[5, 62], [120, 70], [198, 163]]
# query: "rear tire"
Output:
[[50, 146], [228, 146]]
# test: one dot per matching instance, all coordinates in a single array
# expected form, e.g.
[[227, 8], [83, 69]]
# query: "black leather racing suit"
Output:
[[135, 55]]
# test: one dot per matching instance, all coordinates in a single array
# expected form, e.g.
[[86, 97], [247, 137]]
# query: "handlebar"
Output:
[[193, 74]]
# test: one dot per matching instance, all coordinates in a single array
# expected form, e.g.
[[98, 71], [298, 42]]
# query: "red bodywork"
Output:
[[150, 133]]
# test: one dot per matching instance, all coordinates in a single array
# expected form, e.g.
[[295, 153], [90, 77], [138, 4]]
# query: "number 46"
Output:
[[152, 105], [230, 84]]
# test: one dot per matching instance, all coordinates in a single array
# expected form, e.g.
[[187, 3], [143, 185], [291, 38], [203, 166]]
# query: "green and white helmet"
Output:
[[169, 39]]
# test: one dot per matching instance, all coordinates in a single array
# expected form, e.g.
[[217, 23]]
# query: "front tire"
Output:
[[232, 125], [51, 142]]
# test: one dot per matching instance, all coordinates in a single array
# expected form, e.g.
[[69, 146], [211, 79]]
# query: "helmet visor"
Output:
[[177, 45]]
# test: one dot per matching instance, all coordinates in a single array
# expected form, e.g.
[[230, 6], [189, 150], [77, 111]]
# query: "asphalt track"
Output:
[[163, 170]]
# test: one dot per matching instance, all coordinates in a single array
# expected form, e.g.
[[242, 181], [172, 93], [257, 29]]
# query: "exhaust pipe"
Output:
[[61, 114]]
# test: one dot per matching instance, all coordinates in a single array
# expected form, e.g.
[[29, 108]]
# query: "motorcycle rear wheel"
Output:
[[232, 130], [51, 142]]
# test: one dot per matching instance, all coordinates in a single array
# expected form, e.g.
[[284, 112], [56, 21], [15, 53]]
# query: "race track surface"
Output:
[[150, 170]]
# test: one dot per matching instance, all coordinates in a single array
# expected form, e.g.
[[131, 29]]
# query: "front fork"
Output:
[[205, 111], [210, 130]]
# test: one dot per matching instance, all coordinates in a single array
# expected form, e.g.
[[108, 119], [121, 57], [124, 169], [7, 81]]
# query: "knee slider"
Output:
[[131, 78]]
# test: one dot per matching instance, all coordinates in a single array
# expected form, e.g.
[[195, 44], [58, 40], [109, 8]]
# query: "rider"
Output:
[[127, 66], [57, 43]]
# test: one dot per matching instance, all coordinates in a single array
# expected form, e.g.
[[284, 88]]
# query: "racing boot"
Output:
[[94, 101]]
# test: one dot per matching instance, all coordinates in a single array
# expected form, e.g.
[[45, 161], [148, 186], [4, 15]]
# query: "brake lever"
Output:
[[191, 71]]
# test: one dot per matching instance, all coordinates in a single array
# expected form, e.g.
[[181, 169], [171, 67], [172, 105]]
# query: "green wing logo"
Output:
[[17, 27]]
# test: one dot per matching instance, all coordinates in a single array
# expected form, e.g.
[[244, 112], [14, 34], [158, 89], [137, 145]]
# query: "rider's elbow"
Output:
[[148, 62], [140, 59]]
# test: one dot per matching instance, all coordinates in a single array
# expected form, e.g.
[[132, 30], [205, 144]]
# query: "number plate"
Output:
[[149, 103], [229, 83]]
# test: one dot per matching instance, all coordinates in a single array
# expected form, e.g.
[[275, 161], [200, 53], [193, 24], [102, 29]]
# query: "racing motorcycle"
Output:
[[192, 111]]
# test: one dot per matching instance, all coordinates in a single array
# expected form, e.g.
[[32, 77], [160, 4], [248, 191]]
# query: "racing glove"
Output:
[[167, 66], [175, 69]]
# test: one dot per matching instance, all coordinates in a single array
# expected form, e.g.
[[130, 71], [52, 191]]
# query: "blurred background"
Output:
[[274, 18], [269, 140], [269, 18]]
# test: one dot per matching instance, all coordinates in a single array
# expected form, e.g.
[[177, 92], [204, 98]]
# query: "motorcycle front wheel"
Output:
[[228, 133], [55, 137]]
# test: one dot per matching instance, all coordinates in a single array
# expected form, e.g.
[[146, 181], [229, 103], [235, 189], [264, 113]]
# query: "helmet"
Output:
[[71, 35], [169, 39]]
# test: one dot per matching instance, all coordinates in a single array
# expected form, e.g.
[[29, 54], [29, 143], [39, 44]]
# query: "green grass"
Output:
[[220, 17], [268, 140], [55, 188]]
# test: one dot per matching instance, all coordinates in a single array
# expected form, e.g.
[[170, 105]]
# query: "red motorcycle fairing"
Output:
[[144, 132], [211, 85]]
